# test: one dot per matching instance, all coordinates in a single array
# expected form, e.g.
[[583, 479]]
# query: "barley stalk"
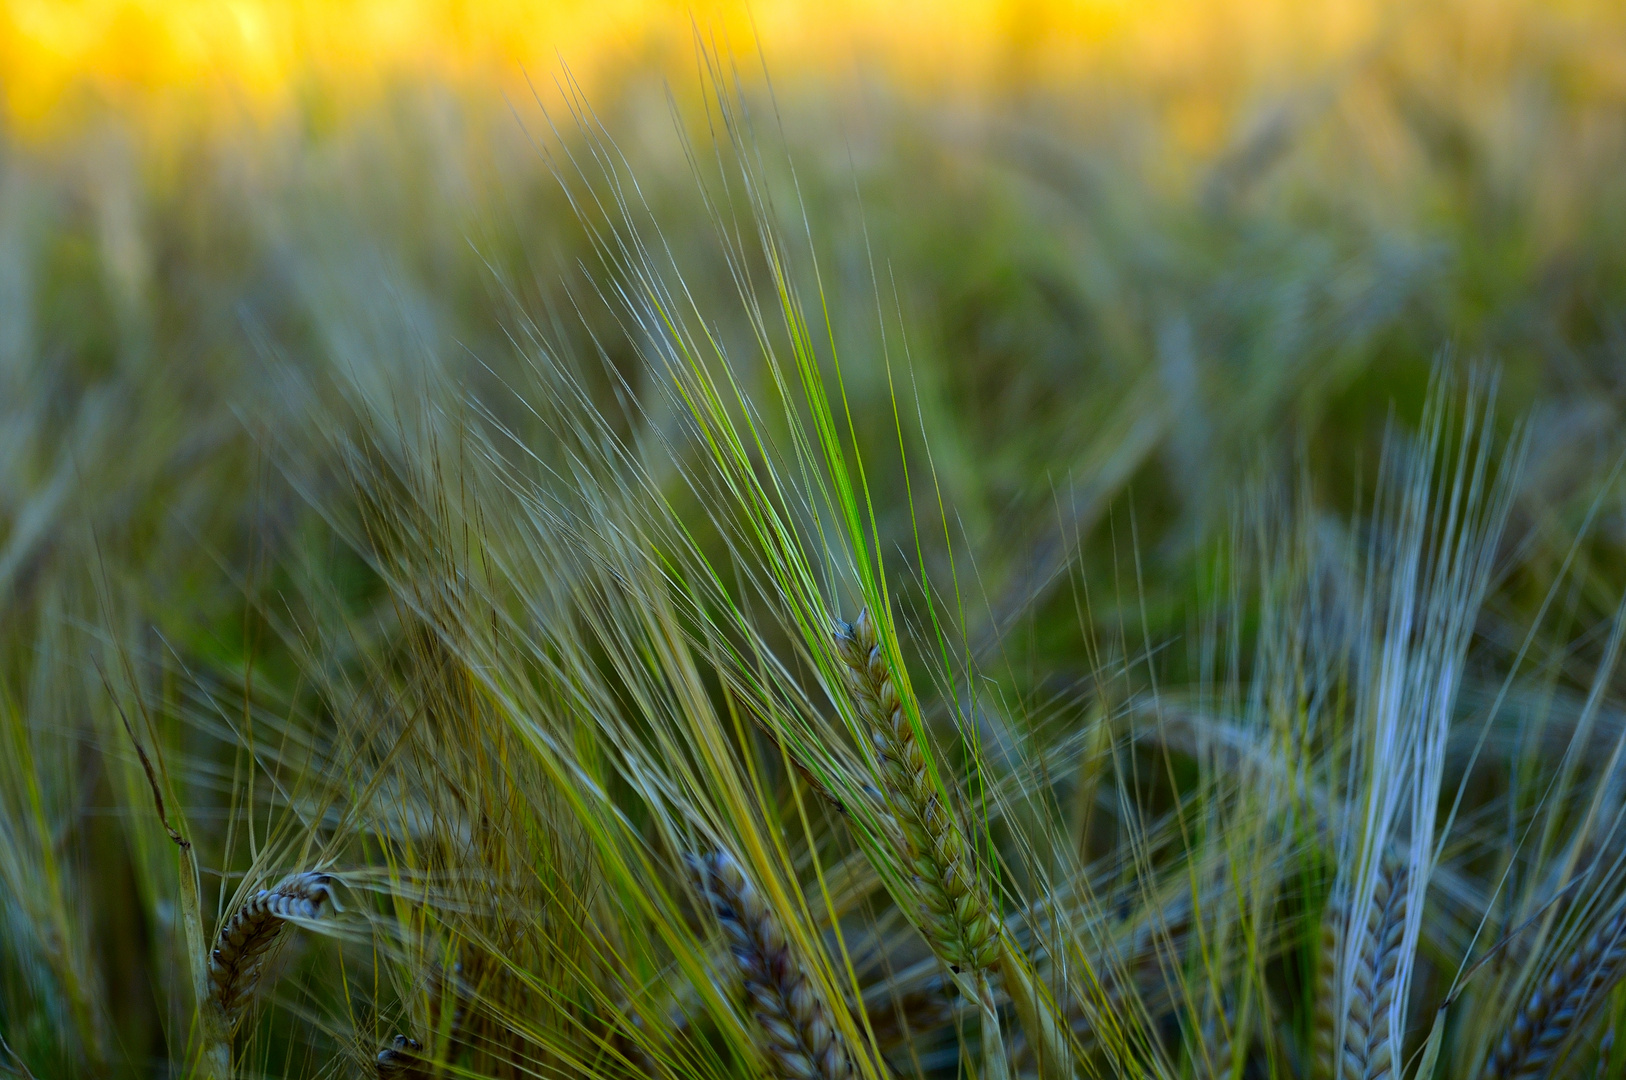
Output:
[[798, 1037], [234, 963], [1560, 1003]]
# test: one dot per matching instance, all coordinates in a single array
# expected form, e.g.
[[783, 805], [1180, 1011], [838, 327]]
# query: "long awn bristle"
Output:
[[404, 1056], [1219, 1044]]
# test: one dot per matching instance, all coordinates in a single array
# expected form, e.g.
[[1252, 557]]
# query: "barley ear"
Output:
[[1386, 931], [1352, 1037], [955, 908], [1325, 1033], [1606, 1050], [798, 1038], [956, 911], [402, 1059], [240, 948], [1560, 1004]]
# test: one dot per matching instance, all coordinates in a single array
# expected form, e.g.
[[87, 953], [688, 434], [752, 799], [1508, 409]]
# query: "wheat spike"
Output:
[[1560, 1003], [799, 1039], [234, 963], [958, 911]]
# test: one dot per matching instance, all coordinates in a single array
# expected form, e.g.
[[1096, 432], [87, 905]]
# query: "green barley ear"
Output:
[[799, 1039], [958, 911], [1560, 1004]]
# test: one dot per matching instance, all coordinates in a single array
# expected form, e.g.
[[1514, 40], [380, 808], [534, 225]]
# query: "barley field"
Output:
[[1001, 539]]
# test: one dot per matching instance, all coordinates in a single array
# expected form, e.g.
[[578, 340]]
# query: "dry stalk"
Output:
[[798, 1038], [1558, 1006], [235, 961]]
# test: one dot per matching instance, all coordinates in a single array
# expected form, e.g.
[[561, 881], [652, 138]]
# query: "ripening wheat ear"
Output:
[[1365, 1053], [234, 963], [798, 1037], [1560, 1004]]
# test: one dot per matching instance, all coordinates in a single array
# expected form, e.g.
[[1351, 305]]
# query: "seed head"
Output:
[[234, 963], [958, 912], [798, 1037]]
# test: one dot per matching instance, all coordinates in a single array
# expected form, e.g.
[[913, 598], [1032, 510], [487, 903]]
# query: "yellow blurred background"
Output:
[[66, 59]]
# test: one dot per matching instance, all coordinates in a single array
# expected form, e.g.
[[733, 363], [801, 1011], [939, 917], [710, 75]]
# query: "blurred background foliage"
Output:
[[1117, 261], [1217, 234]]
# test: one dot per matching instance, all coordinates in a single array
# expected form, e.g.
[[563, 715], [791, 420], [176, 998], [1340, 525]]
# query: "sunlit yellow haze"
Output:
[[64, 59]]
